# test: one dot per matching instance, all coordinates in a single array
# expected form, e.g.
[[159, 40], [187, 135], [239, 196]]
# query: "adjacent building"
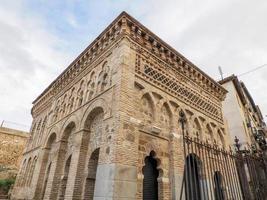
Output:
[[243, 116], [12, 144], [108, 126]]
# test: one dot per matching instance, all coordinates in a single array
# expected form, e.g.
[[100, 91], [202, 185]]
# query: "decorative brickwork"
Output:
[[117, 104], [175, 85]]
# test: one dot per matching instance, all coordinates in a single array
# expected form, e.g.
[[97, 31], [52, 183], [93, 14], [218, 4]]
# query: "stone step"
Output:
[[3, 197]]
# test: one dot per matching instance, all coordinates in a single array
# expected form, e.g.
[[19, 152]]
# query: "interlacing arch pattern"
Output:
[[173, 85], [95, 82], [78, 95], [165, 114], [27, 170], [37, 132]]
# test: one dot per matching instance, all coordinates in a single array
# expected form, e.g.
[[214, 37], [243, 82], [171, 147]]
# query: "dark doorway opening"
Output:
[[150, 182]]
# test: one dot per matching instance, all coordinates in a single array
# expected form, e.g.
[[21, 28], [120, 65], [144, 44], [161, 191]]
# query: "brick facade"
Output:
[[115, 105]]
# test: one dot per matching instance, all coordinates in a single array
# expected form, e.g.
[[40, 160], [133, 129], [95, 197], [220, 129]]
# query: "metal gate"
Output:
[[211, 172], [252, 171]]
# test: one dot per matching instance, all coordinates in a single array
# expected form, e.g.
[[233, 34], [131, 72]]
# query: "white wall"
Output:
[[233, 112]]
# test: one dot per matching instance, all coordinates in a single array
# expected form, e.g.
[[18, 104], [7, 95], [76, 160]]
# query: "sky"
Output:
[[39, 38]]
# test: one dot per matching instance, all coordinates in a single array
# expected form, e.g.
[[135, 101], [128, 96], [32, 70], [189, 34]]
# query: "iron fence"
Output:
[[214, 173]]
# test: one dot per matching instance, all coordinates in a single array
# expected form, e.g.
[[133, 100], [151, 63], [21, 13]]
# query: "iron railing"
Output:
[[212, 172]]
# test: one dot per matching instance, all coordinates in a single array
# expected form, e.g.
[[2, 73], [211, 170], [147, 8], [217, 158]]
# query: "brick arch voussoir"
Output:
[[196, 117], [98, 103], [150, 96], [72, 119], [54, 130], [169, 107]]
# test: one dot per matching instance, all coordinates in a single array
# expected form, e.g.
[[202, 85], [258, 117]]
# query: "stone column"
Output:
[[38, 178], [78, 159], [52, 187], [177, 164]]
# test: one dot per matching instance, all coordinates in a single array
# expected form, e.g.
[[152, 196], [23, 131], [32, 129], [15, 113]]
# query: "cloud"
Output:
[[40, 38], [230, 34], [29, 61]]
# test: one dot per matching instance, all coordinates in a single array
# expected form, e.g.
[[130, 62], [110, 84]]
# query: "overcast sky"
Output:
[[39, 38]]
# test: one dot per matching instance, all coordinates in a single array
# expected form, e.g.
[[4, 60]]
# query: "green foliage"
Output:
[[5, 184]]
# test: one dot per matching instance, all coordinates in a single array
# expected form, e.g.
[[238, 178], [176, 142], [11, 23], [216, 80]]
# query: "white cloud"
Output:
[[29, 61], [229, 33]]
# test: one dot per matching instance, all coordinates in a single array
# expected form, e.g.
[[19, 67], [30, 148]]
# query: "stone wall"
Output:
[[12, 144]]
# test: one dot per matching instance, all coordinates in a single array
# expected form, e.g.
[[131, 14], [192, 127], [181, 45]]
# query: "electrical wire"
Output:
[[252, 70], [9, 122]]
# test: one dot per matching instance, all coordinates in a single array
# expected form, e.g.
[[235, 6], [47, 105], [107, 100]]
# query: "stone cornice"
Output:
[[124, 24]]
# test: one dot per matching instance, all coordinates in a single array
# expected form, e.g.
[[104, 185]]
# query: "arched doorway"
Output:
[[192, 178], [91, 177], [150, 182]]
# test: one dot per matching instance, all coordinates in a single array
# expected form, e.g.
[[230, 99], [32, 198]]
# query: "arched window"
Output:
[[71, 104], [91, 86], [150, 182], [29, 179], [80, 98], [37, 134], [91, 177], [147, 109], [209, 135], [33, 130], [103, 77], [197, 128], [22, 173], [26, 176], [165, 116], [221, 141], [92, 90], [41, 132], [56, 111], [71, 100], [192, 177]]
